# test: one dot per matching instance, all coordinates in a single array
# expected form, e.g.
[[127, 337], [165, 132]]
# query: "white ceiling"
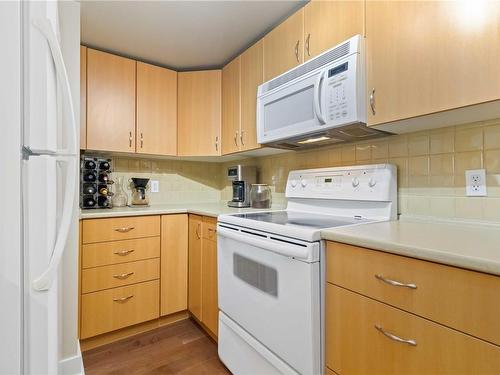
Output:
[[182, 35]]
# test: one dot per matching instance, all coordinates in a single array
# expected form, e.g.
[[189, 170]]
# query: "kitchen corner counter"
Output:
[[473, 246], [205, 209]]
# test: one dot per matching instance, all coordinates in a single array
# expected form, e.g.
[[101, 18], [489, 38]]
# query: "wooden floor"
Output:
[[179, 348]]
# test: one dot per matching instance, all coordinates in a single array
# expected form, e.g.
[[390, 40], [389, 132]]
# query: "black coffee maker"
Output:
[[139, 190]]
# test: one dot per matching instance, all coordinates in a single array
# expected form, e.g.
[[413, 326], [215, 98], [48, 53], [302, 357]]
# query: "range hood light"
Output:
[[313, 140]]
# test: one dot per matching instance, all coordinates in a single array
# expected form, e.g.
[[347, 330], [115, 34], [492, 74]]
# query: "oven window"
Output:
[[289, 110], [256, 274]]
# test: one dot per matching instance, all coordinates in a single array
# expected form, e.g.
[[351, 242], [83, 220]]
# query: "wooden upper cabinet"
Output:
[[231, 107], [284, 46], [252, 75], [199, 113], [416, 69], [110, 102], [83, 97], [328, 23], [156, 110]]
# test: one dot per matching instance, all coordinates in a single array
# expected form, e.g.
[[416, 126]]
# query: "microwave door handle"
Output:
[[317, 95]]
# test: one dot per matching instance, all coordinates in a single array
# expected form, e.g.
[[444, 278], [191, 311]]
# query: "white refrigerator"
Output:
[[39, 174]]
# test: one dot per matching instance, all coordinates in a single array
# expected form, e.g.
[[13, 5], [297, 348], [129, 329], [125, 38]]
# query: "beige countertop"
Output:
[[206, 209], [471, 246]]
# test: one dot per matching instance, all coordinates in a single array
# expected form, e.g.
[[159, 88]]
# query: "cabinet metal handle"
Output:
[[241, 138], [198, 227], [372, 101], [236, 138], [394, 337], [307, 44], [129, 139], [216, 143], [123, 299], [142, 140], [123, 252], [395, 283], [124, 229], [123, 276], [297, 50]]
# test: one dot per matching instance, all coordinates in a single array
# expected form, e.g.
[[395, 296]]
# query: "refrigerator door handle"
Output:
[[44, 281], [45, 27]]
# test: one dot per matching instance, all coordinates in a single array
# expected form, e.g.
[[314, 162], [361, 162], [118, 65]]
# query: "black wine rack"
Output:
[[95, 182]]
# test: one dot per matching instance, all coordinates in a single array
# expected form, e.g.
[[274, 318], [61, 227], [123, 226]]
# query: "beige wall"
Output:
[[180, 181], [431, 166]]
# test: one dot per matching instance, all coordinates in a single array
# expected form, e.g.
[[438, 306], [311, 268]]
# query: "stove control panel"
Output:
[[370, 182]]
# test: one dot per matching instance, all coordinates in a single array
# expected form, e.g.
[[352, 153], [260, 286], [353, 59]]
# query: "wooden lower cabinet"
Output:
[[174, 263], [203, 301], [111, 309], [354, 344]]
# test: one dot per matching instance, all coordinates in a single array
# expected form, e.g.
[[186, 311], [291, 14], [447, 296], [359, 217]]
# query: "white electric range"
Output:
[[271, 267]]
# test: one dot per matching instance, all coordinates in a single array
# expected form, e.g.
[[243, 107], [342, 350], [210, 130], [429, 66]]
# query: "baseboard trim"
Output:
[[72, 365], [107, 338]]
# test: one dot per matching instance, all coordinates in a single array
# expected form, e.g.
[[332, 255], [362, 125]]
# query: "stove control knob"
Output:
[[303, 183], [372, 182], [293, 183], [355, 182]]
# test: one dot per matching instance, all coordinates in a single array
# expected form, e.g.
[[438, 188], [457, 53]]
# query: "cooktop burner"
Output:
[[302, 219]]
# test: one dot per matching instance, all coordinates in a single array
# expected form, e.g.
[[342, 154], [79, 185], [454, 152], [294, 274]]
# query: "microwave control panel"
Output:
[[340, 92]]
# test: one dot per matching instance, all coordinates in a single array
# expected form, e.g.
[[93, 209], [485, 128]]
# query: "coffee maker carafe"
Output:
[[139, 189], [242, 178]]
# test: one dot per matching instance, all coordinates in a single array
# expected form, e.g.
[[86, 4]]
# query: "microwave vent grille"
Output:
[[321, 60]]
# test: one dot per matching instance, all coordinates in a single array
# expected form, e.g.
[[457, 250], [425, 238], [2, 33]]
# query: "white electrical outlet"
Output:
[[155, 186], [475, 183]]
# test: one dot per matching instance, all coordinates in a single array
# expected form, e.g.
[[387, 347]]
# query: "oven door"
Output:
[[272, 296]]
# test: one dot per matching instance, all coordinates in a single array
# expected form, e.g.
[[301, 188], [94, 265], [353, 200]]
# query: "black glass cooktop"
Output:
[[303, 219]]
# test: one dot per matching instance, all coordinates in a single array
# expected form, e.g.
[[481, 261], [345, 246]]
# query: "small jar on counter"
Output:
[[260, 196]]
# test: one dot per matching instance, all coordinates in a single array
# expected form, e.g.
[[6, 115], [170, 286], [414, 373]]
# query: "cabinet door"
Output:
[[284, 47], [416, 69], [83, 97], [231, 107], [328, 23], [194, 282], [156, 110], [199, 113], [110, 102], [174, 263], [209, 302], [252, 75]]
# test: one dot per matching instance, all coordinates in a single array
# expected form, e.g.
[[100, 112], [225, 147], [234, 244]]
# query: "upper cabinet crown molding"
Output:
[[156, 130], [110, 102], [199, 113]]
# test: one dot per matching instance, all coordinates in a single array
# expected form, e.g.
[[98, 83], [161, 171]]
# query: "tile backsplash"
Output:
[[431, 171]]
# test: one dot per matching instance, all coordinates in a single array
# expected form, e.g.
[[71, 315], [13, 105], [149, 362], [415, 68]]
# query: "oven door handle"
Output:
[[281, 248]]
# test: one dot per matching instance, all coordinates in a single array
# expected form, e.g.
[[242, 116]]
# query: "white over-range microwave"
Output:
[[318, 102]]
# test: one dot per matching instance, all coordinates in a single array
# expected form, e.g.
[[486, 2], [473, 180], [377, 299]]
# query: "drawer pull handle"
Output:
[[395, 283], [123, 252], [124, 229], [123, 276], [123, 299], [394, 337]]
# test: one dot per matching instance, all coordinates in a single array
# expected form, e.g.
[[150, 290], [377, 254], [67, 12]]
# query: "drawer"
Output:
[[98, 278], [209, 228], [120, 228], [116, 308], [355, 346], [106, 253], [461, 299]]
